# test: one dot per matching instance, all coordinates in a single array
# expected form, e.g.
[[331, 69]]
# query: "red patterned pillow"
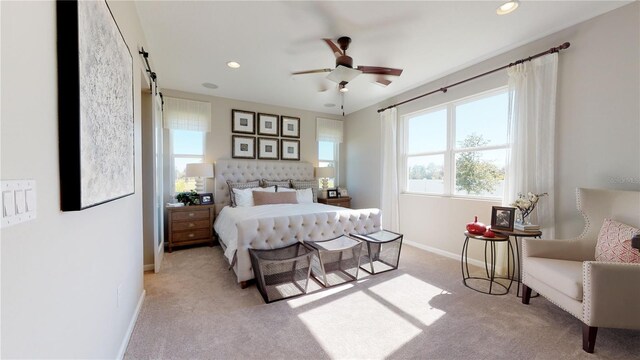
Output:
[[614, 243]]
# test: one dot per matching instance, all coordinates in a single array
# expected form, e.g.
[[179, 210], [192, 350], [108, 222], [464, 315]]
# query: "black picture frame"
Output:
[[237, 149], [206, 198], [96, 137], [502, 218], [268, 124], [332, 193], [268, 149], [289, 149], [243, 122], [289, 127]]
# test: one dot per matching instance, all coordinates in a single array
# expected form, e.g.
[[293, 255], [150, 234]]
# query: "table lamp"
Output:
[[200, 171], [325, 173]]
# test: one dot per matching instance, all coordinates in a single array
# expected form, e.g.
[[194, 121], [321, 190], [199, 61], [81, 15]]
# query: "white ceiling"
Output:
[[191, 42]]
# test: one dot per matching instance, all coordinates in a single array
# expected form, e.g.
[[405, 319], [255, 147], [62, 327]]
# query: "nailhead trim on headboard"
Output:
[[246, 170]]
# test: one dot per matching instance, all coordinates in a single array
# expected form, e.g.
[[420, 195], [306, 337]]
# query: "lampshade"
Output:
[[203, 170], [325, 172], [343, 74]]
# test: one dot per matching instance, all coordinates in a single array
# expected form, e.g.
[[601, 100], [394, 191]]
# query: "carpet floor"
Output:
[[194, 309]]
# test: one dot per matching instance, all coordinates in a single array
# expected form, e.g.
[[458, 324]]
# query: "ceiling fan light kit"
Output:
[[344, 71], [233, 64]]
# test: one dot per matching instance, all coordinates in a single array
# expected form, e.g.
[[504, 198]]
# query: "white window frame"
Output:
[[449, 178], [335, 162], [173, 157]]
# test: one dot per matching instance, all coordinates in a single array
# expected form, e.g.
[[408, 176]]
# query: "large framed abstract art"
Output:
[[95, 104]]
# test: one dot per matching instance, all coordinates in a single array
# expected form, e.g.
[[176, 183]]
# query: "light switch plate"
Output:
[[18, 201]]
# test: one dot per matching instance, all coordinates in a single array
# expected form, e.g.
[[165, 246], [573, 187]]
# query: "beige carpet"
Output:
[[195, 310]]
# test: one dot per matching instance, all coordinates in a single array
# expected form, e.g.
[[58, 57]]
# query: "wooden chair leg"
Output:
[[526, 294], [244, 284], [589, 337]]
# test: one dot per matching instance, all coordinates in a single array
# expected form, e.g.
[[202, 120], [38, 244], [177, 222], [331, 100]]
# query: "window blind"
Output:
[[329, 130], [181, 114]]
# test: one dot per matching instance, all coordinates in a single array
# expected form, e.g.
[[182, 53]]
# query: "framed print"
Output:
[[289, 127], [267, 149], [502, 218], [95, 104], [206, 198], [243, 121], [289, 149], [268, 125], [332, 193], [243, 147]]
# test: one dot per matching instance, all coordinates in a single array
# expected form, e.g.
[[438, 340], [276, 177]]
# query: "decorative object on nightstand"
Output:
[[188, 198], [332, 193], [344, 201], [190, 225], [525, 205], [325, 173], [200, 171]]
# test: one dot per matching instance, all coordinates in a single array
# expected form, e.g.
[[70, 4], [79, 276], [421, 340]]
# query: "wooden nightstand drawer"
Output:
[[190, 215], [179, 236], [341, 201], [190, 225]]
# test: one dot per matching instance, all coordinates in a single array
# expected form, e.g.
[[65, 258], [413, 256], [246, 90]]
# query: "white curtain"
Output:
[[532, 118], [329, 130], [181, 114], [390, 193]]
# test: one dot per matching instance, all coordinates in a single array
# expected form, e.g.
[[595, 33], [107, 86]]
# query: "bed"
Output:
[[274, 226]]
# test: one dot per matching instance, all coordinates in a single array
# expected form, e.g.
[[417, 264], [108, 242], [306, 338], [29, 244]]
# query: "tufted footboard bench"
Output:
[[277, 232]]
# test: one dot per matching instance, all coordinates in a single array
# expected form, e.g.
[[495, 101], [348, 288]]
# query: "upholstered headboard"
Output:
[[247, 170]]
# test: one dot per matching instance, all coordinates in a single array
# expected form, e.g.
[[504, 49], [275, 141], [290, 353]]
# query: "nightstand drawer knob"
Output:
[[191, 214], [192, 224], [191, 235]]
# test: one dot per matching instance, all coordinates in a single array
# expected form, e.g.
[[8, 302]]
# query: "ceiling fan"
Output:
[[345, 72]]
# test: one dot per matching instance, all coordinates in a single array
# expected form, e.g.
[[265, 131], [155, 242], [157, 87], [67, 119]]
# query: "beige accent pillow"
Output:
[[267, 198]]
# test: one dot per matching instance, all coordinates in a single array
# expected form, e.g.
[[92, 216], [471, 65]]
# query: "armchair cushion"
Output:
[[564, 276], [614, 243]]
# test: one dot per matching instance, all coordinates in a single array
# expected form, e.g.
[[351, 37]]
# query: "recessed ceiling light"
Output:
[[233, 64], [507, 7], [329, 105], [210, 85], [343, 89]]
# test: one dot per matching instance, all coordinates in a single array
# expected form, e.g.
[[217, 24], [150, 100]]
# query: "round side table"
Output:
[[495, 287], [516, 235]]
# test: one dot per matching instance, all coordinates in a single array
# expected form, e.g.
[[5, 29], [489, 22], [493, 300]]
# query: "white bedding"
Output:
[[225, 224]]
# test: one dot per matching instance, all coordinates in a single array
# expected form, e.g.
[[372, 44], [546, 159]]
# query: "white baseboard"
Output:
[[148, 267], [442, 252], [132, 324]]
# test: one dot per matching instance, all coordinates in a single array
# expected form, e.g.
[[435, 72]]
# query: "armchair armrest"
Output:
[[611, 294], [574, 250]]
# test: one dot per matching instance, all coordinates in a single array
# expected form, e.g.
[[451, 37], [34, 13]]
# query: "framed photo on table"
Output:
[[289, 149], [502, 218], [206, 198], [267, 149], [243, 121], [332, 193], [290, 127], [243, 147], [268, 125]]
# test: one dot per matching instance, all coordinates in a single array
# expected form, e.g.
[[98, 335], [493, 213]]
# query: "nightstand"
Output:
[[189, 225], [344, 201]]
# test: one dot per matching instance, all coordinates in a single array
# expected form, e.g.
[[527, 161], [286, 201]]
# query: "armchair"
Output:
[[600, 294]]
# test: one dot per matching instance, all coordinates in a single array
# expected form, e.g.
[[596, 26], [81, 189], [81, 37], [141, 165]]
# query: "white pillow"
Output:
[[304, 196], [244, 197]]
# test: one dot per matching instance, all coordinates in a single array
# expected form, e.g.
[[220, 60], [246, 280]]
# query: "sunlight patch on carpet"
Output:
[[357, 325], [411, 296], [317, 295]]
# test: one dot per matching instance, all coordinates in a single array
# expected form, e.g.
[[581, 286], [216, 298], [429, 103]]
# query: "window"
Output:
[[328, 156], [186, 147], [329, 137], [459, 148]]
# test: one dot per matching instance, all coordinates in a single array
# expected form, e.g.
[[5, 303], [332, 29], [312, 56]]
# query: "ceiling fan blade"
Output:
[[383, 82], [312, 71], [380, 70], [336, 50]]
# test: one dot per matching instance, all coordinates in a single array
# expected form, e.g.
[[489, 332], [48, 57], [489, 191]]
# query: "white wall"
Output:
[[60, 272], [598, 126], [218, 145]]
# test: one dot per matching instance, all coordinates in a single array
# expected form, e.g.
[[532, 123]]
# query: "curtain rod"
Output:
[[444, 89]]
